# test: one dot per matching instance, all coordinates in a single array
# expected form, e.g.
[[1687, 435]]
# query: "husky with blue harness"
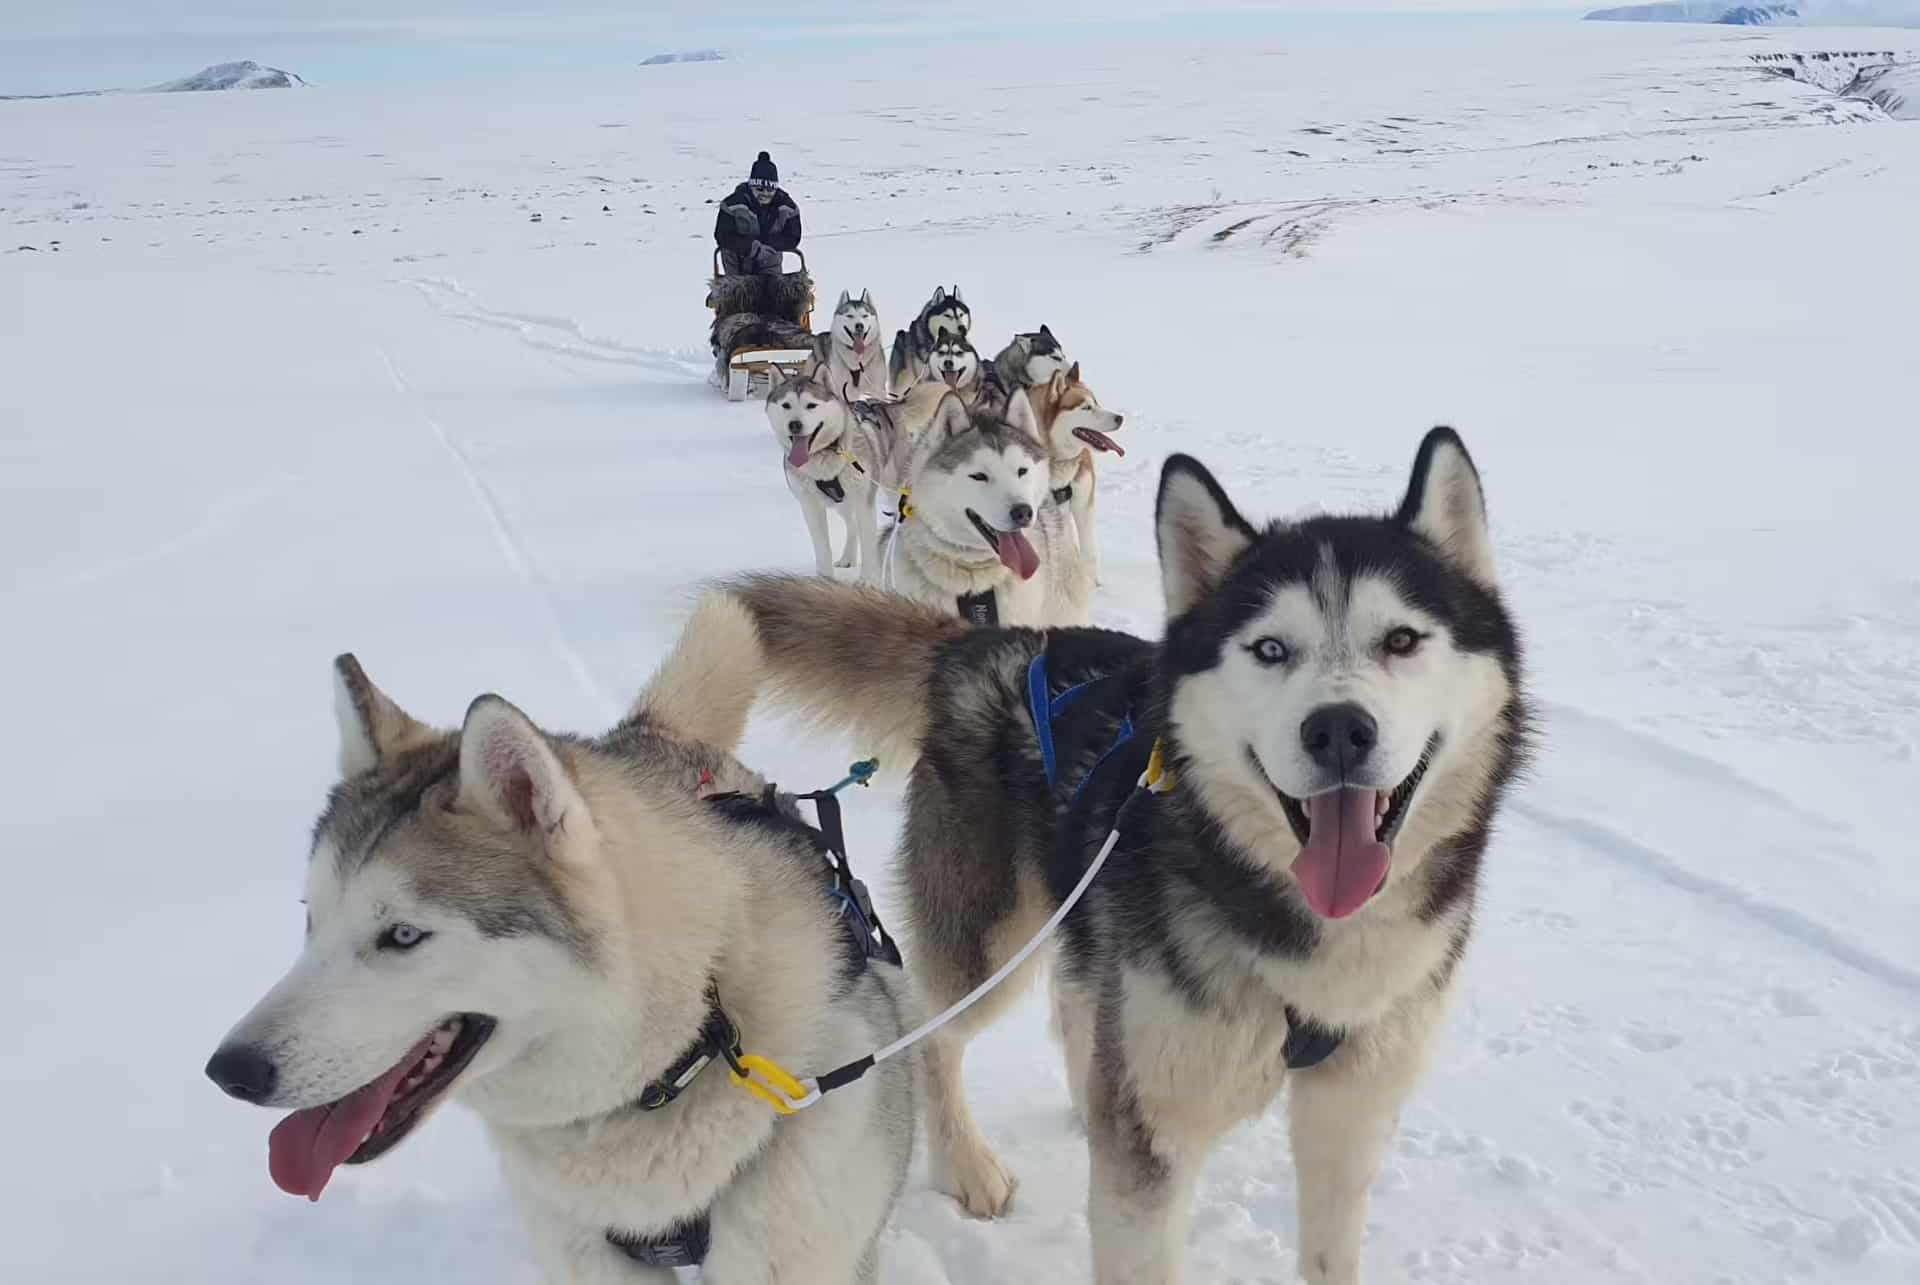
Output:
[[1256, 842]]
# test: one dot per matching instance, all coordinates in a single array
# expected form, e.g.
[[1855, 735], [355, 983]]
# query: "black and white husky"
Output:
[[943, 314], [1339, 702], [849, 355], [1032, 357]]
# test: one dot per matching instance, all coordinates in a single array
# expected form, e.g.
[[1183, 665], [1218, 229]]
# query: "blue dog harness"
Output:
[[1047, 710]]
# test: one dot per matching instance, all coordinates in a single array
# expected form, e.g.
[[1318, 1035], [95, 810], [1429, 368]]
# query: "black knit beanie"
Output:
[[764, 168]]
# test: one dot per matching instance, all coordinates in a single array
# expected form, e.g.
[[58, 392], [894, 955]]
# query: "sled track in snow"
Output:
[[511, 546], [561, 335], [1789, 923]]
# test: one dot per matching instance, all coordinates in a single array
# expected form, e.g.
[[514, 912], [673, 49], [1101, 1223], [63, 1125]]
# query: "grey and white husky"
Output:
[[850, 352], [570, 936], [1339, 704], [943, 314], [837, 456], [979, 537], [1032, 357]]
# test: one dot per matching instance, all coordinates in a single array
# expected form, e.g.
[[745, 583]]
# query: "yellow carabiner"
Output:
[[1159, 780], [906, 510], [772, 1084]]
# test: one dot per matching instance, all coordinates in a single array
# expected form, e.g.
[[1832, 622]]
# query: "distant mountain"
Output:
[[230, 75], [1798, 13], [694, 55]]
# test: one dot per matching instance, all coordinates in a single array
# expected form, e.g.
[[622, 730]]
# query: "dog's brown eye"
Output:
[[813, 405], [1023, 472], [978, 477], [1403, 642]]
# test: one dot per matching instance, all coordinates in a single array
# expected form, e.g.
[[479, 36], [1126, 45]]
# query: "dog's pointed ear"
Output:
[[950, 417], [866, 298], [1057, 384], [1020, 414], [1199, 532], [845, 299], [372, 727], [956, 295], [510, 775], [1047, 332], [1073, 373], [939, 294], [1445, 506]]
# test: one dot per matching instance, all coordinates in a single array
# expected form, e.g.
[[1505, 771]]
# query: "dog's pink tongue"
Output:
[[1343, 864], [1017, 552], [305, 1148], [796, 452]]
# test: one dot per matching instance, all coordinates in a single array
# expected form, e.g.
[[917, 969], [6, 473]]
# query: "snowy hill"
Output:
[[695, 55], [230, 75], [1875, 77], [1798, 13]]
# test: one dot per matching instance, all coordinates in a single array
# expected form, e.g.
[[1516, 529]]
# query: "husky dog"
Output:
[[569, 935], [1339, 708], [954, 363], [1075, 426], [838, 456], [979, 537], [1032, 358], [849, 352], [943, 314]]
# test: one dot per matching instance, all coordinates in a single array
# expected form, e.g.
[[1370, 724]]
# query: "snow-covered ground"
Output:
[[288, 374]]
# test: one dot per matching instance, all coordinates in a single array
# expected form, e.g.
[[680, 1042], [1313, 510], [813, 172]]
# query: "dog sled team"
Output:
[[986, 470], [1245, 855]]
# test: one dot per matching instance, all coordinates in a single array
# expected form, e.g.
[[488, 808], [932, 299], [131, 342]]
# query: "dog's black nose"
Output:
[[1021, 515], [794, 426], [244, 1072], [1339, 736]]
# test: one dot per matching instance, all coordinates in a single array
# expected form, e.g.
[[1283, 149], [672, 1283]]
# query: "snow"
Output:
[[297, 375]]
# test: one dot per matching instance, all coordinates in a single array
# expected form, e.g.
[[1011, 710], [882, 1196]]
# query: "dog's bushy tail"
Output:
[[705, 688], [848, 658]]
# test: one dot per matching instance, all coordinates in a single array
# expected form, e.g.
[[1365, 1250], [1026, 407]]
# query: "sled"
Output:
[[762, 328]]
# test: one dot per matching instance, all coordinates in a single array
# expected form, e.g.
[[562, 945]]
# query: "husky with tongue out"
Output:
[[849, 358], [569, 935], [979, 537], [1339, 702]]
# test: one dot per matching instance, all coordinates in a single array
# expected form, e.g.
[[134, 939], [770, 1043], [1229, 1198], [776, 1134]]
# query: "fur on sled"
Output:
[[786, 297]]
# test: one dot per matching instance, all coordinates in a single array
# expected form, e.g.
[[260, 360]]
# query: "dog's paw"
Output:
[[844, 564], [980, 1183]]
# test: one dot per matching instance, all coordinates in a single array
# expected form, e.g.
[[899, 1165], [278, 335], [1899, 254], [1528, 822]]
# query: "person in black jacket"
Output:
[[756, 223]]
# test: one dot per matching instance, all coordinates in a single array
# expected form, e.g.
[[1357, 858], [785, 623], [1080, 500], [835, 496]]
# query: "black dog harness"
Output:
[[685, 1243], [1308, 1043]]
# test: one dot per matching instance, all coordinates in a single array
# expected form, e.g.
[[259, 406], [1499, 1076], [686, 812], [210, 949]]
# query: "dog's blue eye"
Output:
[[402, 937], [1269, 651], [981, 477], [1403, 641]]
